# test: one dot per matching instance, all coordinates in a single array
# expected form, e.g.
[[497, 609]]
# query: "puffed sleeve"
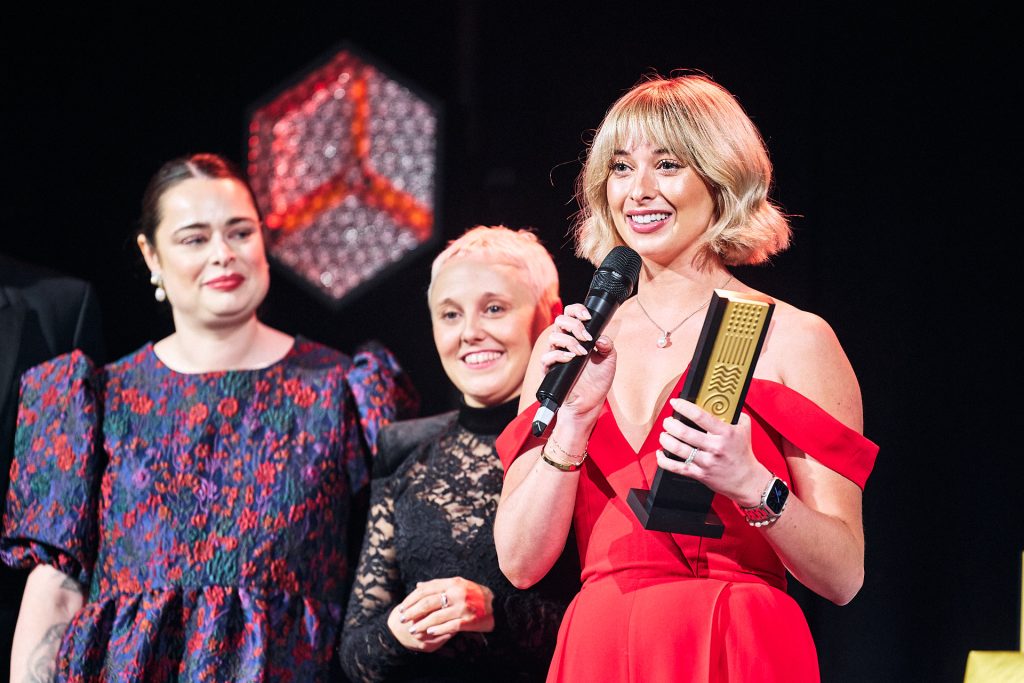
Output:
[[56, 470], [382, 392]]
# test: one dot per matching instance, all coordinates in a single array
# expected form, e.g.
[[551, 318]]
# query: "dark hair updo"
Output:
[[203, 165]]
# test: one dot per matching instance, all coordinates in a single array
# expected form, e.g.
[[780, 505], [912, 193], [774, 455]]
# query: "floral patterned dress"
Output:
[[206, 513]]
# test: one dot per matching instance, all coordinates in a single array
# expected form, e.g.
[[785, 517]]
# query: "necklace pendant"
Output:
[[664, 340]]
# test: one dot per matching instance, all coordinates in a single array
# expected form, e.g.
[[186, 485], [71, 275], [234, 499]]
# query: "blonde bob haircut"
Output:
[[518, 248], [702, 124]]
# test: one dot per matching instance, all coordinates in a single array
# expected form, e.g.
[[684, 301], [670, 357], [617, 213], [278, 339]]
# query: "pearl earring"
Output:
[[157, 280]]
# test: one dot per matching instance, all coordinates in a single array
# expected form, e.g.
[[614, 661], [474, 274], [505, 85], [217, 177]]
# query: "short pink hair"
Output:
[[519, 248]]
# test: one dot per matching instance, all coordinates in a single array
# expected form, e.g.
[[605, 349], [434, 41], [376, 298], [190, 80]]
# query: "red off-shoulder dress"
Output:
[[657, 606]]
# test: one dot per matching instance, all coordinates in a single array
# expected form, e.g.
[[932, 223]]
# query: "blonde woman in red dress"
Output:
[[679, 173]]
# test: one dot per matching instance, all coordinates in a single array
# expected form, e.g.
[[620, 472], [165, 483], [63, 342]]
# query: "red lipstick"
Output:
[[226, 283]]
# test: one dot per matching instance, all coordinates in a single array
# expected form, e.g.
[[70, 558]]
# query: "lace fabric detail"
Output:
[[434, 518], [461, 489]]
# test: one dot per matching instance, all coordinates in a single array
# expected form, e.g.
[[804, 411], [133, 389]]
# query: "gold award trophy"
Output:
[[717, 381]]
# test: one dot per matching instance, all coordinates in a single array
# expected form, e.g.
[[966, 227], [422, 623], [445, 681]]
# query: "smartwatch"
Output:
[[773, 502]]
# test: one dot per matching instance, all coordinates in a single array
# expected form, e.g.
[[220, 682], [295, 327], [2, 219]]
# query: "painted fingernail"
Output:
[[431, 631]]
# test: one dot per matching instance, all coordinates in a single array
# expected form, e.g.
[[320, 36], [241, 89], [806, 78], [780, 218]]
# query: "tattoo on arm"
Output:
[[42, 662]]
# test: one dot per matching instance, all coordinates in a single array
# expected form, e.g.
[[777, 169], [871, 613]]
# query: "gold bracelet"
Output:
[[574, 459], [565, 467], [570, 466]]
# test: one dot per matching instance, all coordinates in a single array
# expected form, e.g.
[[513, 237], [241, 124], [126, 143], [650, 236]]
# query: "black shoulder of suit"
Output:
[[20, 274], [398, 439]]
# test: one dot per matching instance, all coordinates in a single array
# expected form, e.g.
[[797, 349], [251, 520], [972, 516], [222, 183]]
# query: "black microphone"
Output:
[[613, 283]]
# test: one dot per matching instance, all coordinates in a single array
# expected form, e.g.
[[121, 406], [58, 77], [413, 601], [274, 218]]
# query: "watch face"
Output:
[[777, 496]]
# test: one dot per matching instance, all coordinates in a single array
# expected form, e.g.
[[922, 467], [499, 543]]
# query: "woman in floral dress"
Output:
[[186, 508]]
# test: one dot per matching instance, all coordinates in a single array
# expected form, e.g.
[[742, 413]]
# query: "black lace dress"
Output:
[[434, 518]]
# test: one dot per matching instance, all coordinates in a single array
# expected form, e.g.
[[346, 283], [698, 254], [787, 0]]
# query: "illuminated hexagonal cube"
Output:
[[344, 166]]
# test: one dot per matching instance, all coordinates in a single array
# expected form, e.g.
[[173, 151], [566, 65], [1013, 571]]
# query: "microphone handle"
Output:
[[559, 380]]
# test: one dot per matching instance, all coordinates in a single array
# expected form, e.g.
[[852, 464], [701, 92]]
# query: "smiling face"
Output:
[[209, 249], [660, 206], [485, 321]]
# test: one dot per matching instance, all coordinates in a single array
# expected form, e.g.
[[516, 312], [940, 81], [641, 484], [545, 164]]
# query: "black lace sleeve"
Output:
[[433, 518], [369, 651], [526, 622]]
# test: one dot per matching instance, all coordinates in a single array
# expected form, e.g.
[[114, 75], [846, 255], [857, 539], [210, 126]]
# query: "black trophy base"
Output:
[[676, 504], [661, 518]]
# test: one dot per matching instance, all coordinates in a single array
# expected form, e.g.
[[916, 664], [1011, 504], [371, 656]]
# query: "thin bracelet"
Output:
[[565, 467], [574, 459], [571, 466]]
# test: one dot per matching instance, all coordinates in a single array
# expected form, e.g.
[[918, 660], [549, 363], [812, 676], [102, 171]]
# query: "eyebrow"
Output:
[[622, 152], [206, 226], [483, 295]]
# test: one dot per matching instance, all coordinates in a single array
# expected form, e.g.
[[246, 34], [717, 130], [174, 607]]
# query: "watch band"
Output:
[[761, 515]]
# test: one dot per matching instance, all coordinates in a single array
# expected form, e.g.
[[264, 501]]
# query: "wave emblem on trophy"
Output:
[[718, 379]]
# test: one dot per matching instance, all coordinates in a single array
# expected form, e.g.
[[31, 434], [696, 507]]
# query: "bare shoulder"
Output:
[[805, 354]]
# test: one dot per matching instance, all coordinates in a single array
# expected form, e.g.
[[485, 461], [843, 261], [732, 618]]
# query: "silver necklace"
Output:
[[665, 339]]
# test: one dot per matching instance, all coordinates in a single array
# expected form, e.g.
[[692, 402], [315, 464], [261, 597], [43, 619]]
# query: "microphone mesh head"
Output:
[[618, 273]]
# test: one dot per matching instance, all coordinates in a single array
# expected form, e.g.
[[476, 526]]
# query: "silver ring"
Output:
[[444, 600], [691, 456]]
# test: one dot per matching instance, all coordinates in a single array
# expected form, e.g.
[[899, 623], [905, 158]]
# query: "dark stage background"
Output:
[[895, 140]]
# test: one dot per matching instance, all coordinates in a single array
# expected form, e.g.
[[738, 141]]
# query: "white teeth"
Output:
[[481, 357], [644, 219]]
